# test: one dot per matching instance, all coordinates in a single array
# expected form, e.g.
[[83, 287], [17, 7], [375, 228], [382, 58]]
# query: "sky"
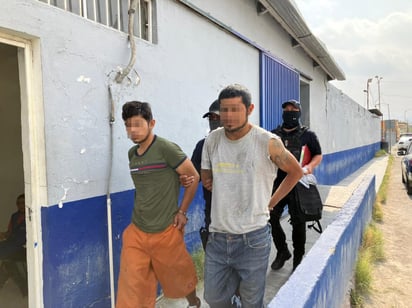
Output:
[[368, 38]]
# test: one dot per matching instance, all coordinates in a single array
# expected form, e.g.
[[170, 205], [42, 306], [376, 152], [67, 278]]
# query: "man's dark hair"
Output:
[[136, 108], [236, 90]]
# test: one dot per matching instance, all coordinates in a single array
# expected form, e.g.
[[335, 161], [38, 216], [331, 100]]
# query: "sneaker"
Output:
[[236, 302], [281, 258], [198, 303]]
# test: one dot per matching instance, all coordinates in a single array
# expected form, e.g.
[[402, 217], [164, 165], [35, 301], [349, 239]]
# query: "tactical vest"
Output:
[[292, 140], [312, 211]]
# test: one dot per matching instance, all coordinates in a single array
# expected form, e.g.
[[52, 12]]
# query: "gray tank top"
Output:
[[243, 176]]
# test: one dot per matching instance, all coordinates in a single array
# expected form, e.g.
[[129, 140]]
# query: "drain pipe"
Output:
[[121, 75], [109, 201], [119, 78]]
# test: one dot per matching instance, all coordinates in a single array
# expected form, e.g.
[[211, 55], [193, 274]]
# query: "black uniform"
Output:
[[293, 141], [207, 195]]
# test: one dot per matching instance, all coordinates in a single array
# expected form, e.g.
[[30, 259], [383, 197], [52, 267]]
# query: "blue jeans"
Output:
[[237, 261]]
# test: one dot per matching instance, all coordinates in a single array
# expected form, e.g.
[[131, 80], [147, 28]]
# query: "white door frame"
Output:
[[33, 147]]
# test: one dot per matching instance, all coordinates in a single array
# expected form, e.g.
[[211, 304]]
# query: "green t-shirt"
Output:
[[157, 184]]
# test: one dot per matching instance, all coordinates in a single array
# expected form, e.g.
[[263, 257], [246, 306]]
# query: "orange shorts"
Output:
[[148, 258]]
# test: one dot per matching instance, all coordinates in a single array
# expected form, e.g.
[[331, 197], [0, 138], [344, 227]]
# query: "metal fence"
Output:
[[112, 13]]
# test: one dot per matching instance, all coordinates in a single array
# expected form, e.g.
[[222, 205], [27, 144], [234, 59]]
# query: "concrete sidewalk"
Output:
[[334, 197]]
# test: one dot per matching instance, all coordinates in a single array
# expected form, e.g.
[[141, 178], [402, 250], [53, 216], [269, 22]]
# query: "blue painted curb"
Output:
[[322, 279]]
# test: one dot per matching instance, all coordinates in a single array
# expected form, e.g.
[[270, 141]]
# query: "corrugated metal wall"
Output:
[[278, 83]]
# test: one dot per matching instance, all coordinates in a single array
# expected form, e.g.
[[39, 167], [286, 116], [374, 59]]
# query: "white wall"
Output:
[[343, 124], [180, 77], [340, 122], [261, 29]]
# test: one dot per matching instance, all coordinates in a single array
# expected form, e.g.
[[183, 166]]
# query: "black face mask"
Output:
[[290, 119], [213, 124]]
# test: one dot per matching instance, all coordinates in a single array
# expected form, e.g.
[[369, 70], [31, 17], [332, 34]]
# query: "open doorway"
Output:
[[22, 159], [304, 90], [13, 268]]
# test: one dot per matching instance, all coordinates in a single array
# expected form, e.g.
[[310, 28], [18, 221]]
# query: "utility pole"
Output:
[[379, 90], [367, 92], [379, 104], [389, 128]]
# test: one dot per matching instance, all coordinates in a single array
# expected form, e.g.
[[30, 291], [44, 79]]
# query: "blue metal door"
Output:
[[278, 83]]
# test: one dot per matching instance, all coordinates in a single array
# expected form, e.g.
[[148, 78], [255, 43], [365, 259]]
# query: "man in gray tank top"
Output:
[[239, 164]]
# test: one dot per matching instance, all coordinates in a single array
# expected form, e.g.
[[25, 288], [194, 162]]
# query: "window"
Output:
[[113, 13]]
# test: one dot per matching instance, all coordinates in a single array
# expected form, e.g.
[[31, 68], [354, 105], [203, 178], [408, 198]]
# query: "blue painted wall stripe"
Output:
[[75, 258], [75, 247], [336, 166]]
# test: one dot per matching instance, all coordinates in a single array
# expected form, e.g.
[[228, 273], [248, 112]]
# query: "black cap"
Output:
[[214, 108], [292, 102]]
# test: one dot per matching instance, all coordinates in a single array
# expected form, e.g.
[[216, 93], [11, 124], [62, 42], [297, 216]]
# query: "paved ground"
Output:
[[10, 296]]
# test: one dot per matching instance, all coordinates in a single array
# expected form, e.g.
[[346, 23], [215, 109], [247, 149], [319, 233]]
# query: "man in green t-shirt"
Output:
[[153, 244]]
